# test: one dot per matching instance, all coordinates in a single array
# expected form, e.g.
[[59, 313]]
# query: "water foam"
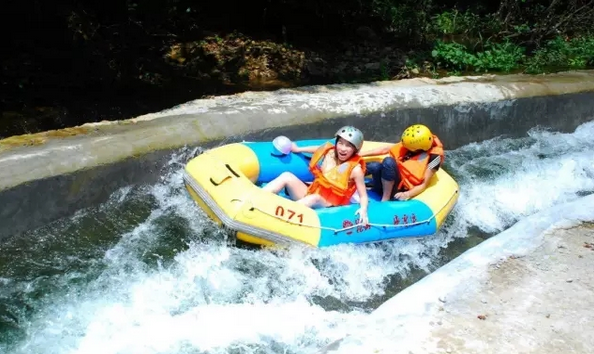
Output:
[[512, 178]]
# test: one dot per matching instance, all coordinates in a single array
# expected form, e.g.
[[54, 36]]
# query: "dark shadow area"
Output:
[[65, 63], [68, 62]]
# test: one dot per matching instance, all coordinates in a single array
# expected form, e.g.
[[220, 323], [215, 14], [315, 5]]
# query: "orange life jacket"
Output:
[[335, 186], [412, 171]]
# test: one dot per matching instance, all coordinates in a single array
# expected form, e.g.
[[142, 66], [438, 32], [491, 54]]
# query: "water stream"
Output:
[[146, 272]]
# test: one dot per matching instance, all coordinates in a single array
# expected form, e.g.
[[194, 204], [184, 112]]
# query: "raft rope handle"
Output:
[[253, 207]]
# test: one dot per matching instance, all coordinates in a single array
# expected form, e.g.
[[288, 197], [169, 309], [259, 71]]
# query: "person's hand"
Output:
[[294, 148], [363, 219], [402, 196]]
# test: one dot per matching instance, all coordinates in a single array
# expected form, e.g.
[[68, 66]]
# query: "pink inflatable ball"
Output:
[[282, 144]]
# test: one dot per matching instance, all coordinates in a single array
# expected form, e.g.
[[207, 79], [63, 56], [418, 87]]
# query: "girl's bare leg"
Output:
[[295, 187], [314, 201]]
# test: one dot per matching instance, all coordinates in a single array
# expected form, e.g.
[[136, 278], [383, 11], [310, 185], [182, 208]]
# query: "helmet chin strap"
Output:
[[335, 149]]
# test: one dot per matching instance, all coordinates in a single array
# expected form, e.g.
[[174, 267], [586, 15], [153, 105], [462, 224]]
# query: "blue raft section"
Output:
[[389, 220]]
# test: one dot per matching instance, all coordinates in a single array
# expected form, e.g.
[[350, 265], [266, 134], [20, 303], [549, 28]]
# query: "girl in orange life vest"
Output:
[[341, 174], [411, 164]]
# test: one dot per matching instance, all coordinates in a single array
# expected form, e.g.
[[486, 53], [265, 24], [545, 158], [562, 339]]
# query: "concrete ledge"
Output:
[[529, 289], [50, 175]]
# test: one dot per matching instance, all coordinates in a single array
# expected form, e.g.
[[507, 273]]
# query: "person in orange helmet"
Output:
[[411, 163]]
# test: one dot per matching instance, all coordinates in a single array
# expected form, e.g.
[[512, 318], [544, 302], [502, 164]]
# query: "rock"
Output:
[[372, 66], [366, 33], [386, 50], [315, 70], [318, 60], [341, 67]]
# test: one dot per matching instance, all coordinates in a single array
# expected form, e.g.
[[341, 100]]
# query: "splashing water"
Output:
[[147, 272]]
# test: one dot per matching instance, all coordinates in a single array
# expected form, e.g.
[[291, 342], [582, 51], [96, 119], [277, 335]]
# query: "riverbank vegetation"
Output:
[[70, 62]]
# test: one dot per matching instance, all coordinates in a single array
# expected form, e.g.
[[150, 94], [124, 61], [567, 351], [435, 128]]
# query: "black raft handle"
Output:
[[213, 182], [230, 169]]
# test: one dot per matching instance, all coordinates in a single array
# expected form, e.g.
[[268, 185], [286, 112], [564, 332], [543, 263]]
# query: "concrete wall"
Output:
[[50, 175]]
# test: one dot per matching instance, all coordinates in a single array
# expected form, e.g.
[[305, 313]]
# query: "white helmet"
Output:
[[352, 135]]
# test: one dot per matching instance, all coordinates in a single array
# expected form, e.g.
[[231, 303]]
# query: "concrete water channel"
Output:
[[101, 245]]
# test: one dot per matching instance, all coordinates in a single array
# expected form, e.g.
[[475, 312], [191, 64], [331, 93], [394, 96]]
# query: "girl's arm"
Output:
[[309, 149], [359, 178], [382, 150]]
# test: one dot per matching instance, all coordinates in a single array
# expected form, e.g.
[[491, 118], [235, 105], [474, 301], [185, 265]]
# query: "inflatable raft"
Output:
[[225, 182]]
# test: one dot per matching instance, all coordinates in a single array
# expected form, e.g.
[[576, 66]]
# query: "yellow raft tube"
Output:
[[226, 183]]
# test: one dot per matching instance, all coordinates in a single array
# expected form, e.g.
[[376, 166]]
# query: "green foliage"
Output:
[[561, 54], [455, 22], [384, 71], [452, 55], [403, 18], [475, 41], [503, 57], [556, 55]]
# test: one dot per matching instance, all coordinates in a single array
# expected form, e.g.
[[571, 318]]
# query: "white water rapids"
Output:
[[166, 281]]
